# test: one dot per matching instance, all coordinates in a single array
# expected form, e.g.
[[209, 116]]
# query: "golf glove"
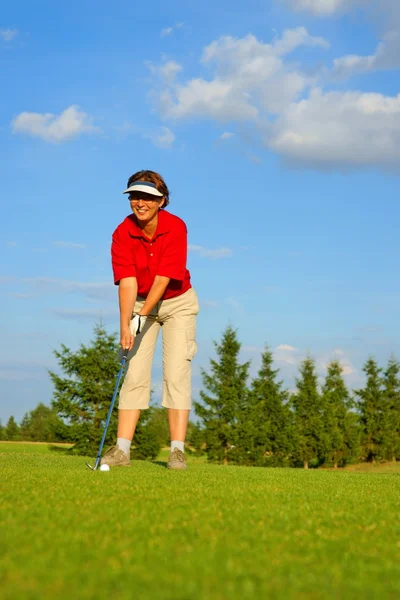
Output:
[[137, 323]]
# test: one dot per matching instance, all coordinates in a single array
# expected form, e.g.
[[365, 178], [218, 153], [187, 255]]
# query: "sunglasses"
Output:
[[146, 200]]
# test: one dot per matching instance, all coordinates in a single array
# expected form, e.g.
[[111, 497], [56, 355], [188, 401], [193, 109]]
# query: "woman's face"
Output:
[[145, 206]]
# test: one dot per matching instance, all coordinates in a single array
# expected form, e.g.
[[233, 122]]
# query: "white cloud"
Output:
[[170, 30], [164, 138], [250, 77], [210, 253], [276, 105], [286, 348], [387, 56], [324, 8], [289, 359], [165, 74], [287, 354], [166, 31], [227, 135], [170, 70], [8, 35], [338, 129], [52, 128], [339, 356]]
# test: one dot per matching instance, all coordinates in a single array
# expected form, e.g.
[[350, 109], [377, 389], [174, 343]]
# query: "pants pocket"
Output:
[[191, 346]]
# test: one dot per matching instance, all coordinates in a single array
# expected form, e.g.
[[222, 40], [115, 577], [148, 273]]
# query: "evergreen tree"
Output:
[[306, 403], [195, 437], [373, 413], [339, 437], [41, 425], [2, 432], [265, 436], [159, 423], [391, 391], [373, 408], [352, 433], [12, 430], [82, 397], [147, 442], [224, 399]]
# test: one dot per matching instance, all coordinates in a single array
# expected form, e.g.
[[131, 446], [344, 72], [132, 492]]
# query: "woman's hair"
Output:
[[152, 177]]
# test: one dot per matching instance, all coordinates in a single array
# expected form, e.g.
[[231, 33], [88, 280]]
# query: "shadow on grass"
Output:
[[59, 449], [159, 463]]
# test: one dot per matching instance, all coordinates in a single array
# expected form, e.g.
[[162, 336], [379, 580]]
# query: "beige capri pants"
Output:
[[177, 319]]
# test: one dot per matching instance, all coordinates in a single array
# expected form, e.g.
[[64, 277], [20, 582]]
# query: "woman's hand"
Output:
[[126, 338]]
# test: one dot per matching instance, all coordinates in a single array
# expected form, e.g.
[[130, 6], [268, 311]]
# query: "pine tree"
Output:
[[306, 403], [2, 432], [339, 438], [195, 437], [373, 413], [12, 430], [82, 397], [159, 422], [41, 425], [391, 393], [147, 442], [265, 437], [225, 397]]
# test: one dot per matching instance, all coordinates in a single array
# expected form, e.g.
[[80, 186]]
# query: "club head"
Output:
[[90, 467]]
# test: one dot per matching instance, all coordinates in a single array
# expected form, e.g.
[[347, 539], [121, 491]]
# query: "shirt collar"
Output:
[[162, 226]]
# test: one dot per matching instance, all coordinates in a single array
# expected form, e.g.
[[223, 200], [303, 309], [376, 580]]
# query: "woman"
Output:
[[149, 252]]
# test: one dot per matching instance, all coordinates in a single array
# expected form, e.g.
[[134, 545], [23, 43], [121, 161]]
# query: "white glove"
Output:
[[137, 323]]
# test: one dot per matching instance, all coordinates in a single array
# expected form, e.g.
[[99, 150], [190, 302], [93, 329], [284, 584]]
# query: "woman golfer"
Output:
[[149, 252]]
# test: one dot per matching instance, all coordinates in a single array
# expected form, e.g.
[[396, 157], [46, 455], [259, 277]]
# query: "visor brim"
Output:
[[143, 188]]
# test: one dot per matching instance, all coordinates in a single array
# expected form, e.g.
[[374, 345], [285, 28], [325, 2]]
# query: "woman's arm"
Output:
[[155, 294], [127, 293]]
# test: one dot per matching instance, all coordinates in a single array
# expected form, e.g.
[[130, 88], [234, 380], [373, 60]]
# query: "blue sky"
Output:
[[276, 125]]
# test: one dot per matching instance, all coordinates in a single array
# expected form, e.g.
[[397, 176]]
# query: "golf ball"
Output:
[[104, 468]]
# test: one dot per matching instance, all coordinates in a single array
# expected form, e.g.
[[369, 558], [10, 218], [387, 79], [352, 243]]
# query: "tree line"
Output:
[[253, 422], [260, 423]]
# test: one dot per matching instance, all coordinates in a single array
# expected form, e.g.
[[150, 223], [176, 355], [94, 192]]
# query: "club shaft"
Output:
[[98, 457]]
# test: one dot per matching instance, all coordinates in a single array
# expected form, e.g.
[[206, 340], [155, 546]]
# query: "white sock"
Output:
[[124, 445], [179, 445]]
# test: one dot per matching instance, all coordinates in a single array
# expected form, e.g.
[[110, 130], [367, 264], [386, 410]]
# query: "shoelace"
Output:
[[179, 455], [112, 451]]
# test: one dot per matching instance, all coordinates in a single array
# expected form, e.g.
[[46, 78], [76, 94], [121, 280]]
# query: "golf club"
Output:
[[98, 457]]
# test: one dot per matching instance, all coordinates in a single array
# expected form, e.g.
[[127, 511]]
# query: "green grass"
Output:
[[29, 447], [209, 533]]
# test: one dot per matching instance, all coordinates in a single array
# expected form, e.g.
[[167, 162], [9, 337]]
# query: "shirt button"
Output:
[[151, 255]]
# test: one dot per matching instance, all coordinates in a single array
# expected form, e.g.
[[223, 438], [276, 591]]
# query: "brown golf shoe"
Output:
[[115, 457], [177, 460]]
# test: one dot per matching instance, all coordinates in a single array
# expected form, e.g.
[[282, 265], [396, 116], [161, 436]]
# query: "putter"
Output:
[[98, 457]]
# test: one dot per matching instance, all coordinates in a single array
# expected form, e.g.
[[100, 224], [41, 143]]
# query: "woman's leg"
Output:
[[178, 316], [178, 422], [127, 421]]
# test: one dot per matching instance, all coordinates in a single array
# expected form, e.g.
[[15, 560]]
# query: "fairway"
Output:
[[211, 532]]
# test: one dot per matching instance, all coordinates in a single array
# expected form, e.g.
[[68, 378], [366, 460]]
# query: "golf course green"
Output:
[[211, 532]]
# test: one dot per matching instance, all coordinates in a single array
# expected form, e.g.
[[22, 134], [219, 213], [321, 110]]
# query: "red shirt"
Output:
[[135, 255]]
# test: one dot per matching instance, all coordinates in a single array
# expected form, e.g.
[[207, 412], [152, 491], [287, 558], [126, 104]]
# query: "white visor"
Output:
[[143, 186]]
